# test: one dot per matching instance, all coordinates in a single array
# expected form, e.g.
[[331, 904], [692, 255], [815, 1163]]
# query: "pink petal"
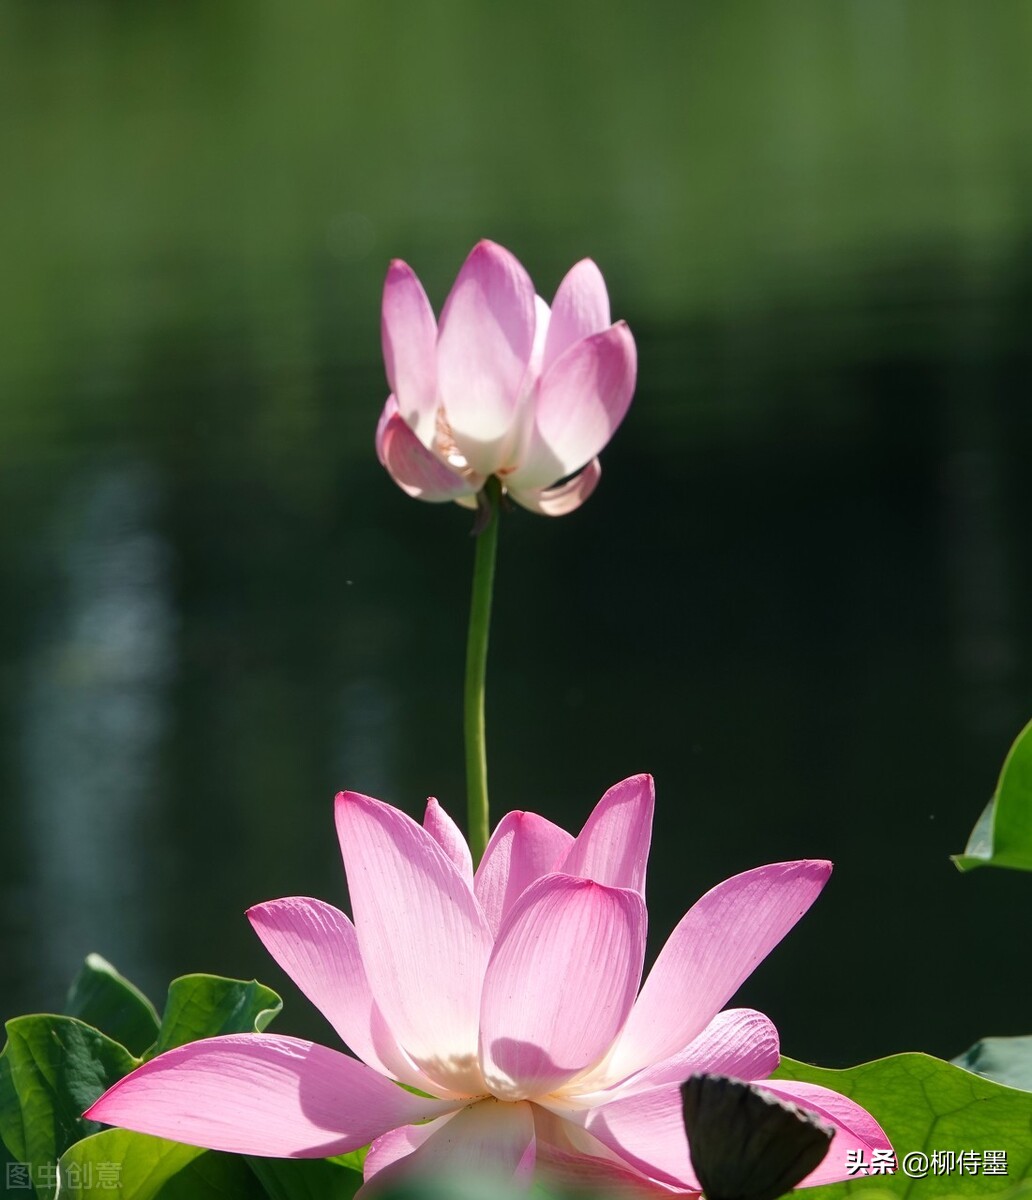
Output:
[[425, 941], [599, 1176], [522, 848], [488, 1139], [414, 468], [565, 497], [569, 1155], [855, 1128], [582, 398], [397, 1144], [390, 410], [251, 1093], [542, 320], [560, 983], [647, 1131], [716, 946], [613, 846], [484, 346], [580, 308], [317, 946], [738, 1042], [409, 334], [447, 835]]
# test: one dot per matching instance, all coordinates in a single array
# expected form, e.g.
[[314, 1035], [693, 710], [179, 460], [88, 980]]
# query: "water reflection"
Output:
[[981, 585], [366, 742], [94, 716]]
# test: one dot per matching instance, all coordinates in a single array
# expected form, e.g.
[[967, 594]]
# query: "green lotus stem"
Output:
[[478, 823]]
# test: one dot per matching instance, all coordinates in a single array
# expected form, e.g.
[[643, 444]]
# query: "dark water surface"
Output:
[[800, 597]]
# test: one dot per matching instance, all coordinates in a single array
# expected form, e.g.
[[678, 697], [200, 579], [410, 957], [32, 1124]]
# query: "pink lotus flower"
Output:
[[509, 998], [505, 386]]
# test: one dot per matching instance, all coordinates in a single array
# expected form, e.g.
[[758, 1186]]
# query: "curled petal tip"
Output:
[[489, 245], [822, 867], [486, 248], [564, 497], [344, 798]]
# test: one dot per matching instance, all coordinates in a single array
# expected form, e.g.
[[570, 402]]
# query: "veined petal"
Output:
[[569, 1156], [613, 846], [647, 1130], [582, 398], [317, 946], [560, 983], [716, 946], [855, 1128], [424, 939], [484, 1140], [447, 835], [580, 308], [738, 1042], [253, 1093], [484, 346], [522, 848], [414, 468], [409, 334], [564, 497], [600, 1176]]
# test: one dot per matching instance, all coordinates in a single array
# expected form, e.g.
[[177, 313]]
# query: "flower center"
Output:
[[458, 1073]]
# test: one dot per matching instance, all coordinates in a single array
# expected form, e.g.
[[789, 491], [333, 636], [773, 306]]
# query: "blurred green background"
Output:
[[800, 597]]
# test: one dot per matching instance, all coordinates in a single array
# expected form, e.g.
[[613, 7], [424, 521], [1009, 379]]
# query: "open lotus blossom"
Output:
[[508, 998], [505, 386]]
